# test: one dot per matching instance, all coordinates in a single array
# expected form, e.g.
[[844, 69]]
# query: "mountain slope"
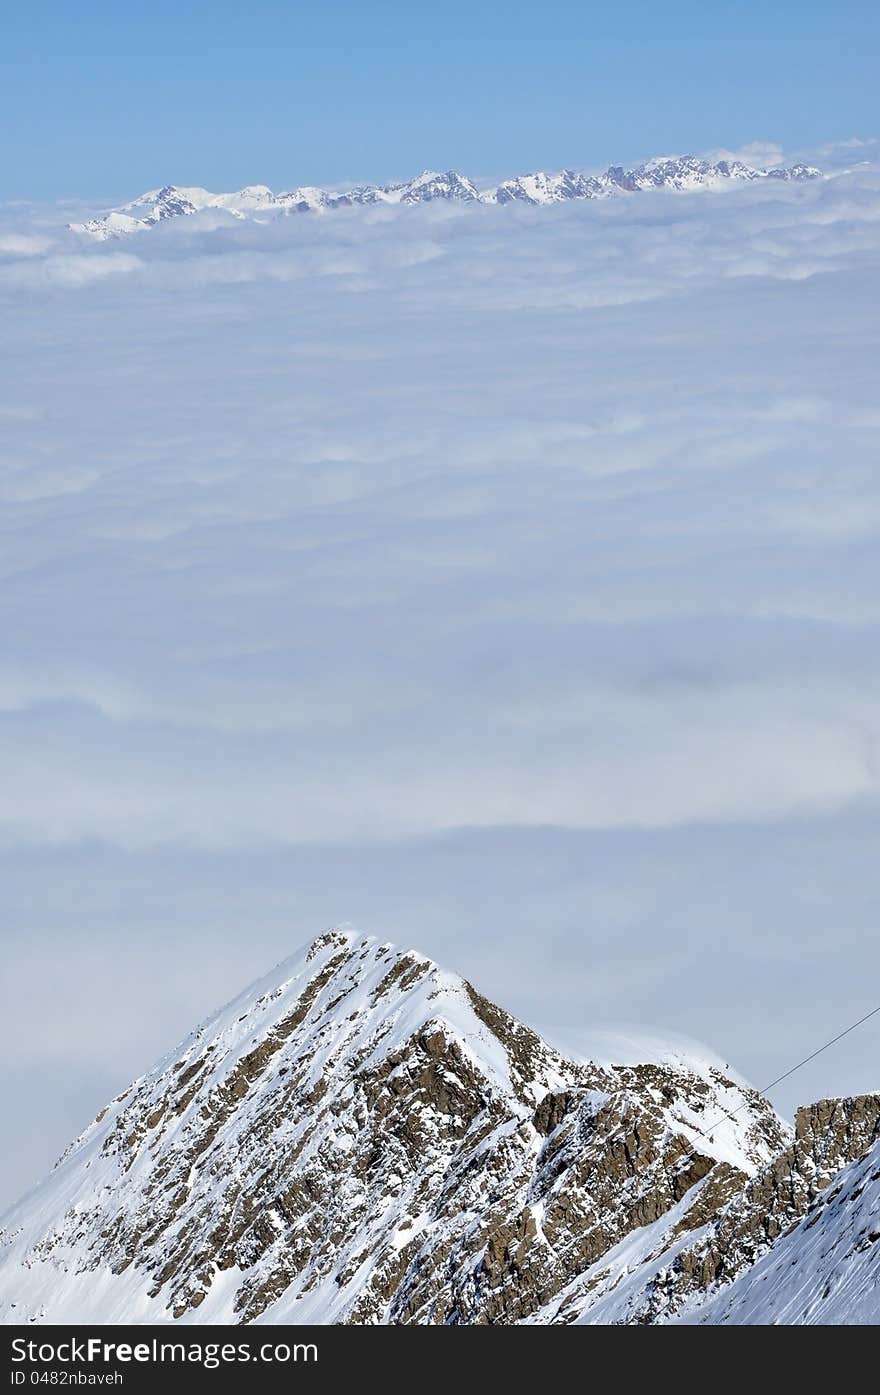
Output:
[[362, 1137], [260, 204]]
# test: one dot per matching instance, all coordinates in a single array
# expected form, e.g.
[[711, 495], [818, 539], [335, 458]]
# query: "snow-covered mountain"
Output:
[[260, 204], [824, 1271], [363, 1137]]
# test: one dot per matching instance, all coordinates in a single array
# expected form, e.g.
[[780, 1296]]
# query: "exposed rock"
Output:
[[364, 1138]]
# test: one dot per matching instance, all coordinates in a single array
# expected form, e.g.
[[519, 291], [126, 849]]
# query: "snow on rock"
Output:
[[259, 203], [826, 1270], [363, 1137]]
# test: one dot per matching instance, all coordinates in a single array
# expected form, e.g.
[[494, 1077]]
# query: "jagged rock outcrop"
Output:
[[825, 1270], [365, 1138], [260, 204]]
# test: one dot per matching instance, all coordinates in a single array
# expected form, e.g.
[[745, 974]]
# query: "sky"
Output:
[[501, 580], [102, 100]]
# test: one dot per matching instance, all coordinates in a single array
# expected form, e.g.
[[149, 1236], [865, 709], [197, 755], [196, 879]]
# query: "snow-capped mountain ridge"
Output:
[[361, 1136], [260, 204], [825, 1271]]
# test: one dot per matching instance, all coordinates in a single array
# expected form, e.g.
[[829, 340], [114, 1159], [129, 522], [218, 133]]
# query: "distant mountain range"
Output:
[[362, 1137], [257, 203]]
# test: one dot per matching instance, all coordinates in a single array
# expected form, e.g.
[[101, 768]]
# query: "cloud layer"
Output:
[[442, 523]]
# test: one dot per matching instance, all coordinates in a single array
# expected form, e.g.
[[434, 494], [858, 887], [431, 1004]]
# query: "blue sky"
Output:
[[103, 100]]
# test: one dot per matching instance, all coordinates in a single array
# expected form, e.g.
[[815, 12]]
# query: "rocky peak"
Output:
[[429, 185]]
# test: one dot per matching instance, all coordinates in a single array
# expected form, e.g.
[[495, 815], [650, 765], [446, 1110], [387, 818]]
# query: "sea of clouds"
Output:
[[503, 580]]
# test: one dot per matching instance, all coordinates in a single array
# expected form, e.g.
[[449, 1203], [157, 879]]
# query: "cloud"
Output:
[[280, 486], [296, 763], [763, 154], [66, 270], [854, 153]]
